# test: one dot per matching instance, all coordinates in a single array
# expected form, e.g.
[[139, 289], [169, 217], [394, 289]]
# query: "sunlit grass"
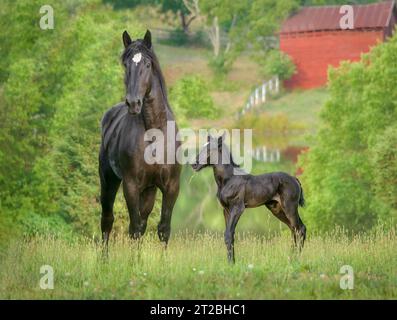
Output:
[[194, 267]]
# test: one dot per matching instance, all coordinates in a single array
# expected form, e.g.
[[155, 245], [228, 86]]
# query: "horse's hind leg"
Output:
[[146, 204], [226, 214], [275, 207], [109, 186]]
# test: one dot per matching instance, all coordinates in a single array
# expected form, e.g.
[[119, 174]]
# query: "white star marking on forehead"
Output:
[[137, 58]]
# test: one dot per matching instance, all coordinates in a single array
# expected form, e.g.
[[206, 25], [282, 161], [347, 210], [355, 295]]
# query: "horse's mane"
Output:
[[235, 165], [138, 46]]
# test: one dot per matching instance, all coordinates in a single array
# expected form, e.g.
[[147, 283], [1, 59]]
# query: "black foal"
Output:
[[280, 192]]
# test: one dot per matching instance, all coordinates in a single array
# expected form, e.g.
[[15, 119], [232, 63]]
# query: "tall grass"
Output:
[[194, 267]]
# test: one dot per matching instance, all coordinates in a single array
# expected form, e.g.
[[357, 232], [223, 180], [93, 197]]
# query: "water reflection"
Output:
[[266, 154]]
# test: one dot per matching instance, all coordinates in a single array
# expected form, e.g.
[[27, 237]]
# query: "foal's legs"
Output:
[[226, 215], [109, 186], [146, 204], [297, 227], [275, 208], [235, 213]]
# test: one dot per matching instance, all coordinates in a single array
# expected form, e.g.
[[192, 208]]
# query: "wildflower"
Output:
[[250, 266], [201, 272]]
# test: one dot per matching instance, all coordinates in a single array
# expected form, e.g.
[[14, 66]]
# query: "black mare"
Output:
[[278, 191], [121, 157]]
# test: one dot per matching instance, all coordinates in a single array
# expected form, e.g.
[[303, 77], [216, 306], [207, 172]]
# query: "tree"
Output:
[[179, 8], [277, 63], [218, 17], [175, 6], [190, 97]]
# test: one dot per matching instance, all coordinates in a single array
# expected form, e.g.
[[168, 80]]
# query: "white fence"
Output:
[[263, 154], [260, 93]]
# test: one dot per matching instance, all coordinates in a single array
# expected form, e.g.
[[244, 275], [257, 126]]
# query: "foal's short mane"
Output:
[[231, 157], [138, 46]]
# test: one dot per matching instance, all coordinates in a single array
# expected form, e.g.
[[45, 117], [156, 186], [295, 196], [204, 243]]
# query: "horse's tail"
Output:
[[301, 196]]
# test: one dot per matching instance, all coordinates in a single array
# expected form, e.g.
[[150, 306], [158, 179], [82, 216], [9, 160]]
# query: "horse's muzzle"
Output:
[[134, 105]]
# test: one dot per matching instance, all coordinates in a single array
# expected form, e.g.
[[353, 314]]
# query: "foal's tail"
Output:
[[301, 196]]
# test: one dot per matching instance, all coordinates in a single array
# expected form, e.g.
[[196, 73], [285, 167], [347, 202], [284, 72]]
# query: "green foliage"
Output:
[[345, 171], [277, 123], [263, 20], [384, 161], [56, 89], [190, 96], [278, 63], [221, 64]]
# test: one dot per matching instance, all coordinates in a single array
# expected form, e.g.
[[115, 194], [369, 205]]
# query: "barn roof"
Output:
[[322, 18]]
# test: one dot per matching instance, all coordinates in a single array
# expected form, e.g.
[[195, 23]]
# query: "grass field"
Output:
[[194, 267], [299, 106]]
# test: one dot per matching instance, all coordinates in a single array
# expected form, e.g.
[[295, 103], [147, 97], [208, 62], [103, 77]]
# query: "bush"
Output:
[[384, 162], [190, 98], [220, 65], [277, 63]]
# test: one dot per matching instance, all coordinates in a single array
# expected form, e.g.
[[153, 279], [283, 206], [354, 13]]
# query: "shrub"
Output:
[[190, 98], [384, 162], [277, 63]]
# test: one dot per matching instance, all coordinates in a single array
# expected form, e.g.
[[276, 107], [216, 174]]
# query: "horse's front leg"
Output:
[[235, 213], [131, 195], [170, 194]]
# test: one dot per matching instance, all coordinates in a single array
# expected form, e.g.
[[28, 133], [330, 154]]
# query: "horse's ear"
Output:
[[126, 39], [147, 40]]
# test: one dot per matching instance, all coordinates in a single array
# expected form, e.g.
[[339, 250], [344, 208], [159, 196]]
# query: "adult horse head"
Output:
[[138, 63], [121, 157]]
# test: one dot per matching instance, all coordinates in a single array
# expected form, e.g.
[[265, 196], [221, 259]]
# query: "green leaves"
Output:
[[190, 98], [277, 63], [57, 88]]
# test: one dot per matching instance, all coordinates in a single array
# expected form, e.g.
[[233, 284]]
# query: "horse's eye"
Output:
[[148, 65]]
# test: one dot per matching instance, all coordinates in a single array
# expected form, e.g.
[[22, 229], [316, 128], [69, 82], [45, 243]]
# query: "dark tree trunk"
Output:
[[185, 25], [185, 22]]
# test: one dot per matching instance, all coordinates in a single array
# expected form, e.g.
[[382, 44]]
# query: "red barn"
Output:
[[314, 39]]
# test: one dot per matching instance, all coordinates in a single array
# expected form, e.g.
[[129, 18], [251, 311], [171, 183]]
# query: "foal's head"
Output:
[[139, 62], [214, 152]]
